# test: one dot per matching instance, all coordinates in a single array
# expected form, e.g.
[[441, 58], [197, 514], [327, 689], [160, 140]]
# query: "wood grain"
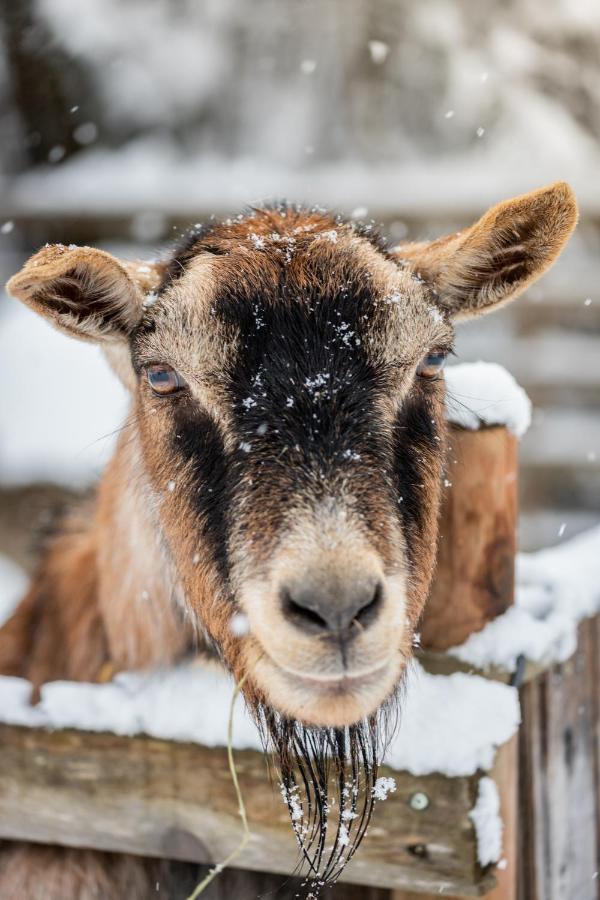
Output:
[[559, 798], [474, 578], [505, 773], [161, 799]]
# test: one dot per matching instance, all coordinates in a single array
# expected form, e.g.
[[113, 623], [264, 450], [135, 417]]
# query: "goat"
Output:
[[282, 462]]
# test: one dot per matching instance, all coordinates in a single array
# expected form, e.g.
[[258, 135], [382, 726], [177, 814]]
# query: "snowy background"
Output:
[[124, 123]]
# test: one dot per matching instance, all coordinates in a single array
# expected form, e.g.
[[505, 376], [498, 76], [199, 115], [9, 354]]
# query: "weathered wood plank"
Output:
[[156, 798], [505, 774], [444, 664], [411, 895], [559, 782], [474, 578]]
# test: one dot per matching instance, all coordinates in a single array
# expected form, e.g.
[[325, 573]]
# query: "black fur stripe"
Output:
[[198, 440], [414, 440]]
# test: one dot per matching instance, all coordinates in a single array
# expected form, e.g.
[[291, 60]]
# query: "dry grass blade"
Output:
[[241, 808]]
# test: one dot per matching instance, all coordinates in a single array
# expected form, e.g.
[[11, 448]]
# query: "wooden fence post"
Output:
[[474, 579]]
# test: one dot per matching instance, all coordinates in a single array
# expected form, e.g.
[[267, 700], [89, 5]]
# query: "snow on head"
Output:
[[486, 394]]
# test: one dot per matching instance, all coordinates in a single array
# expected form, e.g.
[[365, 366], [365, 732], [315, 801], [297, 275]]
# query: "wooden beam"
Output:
[[474, 578], [156, 798]]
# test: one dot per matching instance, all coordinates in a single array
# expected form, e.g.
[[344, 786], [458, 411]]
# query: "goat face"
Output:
[[288, 404], [302, 452]]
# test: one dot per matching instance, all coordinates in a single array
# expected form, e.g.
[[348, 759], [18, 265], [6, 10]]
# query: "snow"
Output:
[[86, 133], [485, 816], [556, 589], [149, 176], [13, 584], [57, 423], [486, 394], [451, 724], [165, 73], [379, 51], [384, 786], [183, 74], [239, 624]]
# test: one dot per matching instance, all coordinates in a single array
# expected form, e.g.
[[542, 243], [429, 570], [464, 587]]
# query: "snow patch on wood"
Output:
[[480, 394], [556, 589], [450, 724], [485, 816]]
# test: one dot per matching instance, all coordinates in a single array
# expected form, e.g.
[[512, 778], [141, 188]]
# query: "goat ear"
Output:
[[86, 292], [499, 256]]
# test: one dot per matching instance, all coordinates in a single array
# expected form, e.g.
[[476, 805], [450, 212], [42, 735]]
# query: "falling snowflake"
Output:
[[379, 51], [239, 624]]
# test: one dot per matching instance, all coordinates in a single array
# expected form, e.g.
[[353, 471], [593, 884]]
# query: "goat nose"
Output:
[[330, 609]]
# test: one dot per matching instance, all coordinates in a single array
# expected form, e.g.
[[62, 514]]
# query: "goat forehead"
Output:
[[337, 296]]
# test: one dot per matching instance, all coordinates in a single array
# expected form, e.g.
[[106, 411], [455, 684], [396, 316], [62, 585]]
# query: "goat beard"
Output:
[[327, 779]]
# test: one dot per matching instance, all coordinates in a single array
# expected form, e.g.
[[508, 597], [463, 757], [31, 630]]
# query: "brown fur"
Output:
[[134, 581], [30, 872], [498, 257], [60, 610]]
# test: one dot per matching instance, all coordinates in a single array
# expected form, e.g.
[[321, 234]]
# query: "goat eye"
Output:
[[431, 365], [164, 380]]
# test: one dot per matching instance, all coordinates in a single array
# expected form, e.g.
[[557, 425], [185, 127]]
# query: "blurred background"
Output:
[[124, 121]]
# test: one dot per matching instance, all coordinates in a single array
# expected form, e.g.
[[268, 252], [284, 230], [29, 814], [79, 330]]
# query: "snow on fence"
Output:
[[496, 749]]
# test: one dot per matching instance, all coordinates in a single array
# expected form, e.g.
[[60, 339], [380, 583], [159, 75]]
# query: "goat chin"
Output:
[[328, 702]]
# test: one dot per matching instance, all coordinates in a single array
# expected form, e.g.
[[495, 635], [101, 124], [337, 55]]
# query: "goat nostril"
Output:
[[302, 616], [368, 613]]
